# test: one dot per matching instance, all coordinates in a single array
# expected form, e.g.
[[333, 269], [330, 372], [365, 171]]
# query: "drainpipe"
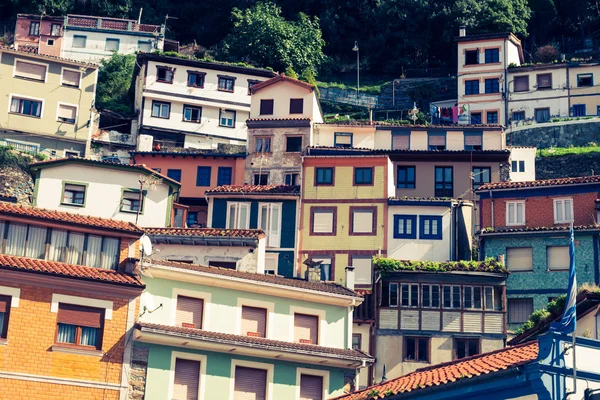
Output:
[[505, 95], [452, 231], [491, 208], [569, 94]]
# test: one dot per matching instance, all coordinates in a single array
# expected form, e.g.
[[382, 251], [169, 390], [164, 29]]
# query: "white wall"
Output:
[[526, 154], [556, 98], [204, 254], [103, 195], [95, 47], [281, 93]]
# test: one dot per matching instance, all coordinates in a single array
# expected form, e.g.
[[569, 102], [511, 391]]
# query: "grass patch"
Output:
[[369, 89], [568, 151]]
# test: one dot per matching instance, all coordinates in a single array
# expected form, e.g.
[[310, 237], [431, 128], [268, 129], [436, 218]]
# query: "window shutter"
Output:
[[78, 315], [521, 83], [66, 113], [473, 140], [189, 312], [71, 78], [362, 221], [250, 384], [323, 222], [519, 310], [558, 257], [345, 139], [311, 387], [437, 140], [254, 321], [31, 71], [519, 258], [274, 230], [306, 328], [187, 376], [400, 142], [4, 306], [362, 270]]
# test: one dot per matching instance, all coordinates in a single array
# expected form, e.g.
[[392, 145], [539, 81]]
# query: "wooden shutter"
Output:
[[558, 257], [437, 140], [519, 258], [254, 321], [250, 384], [78, 315], [4, 305], [71, 78], [189, 312], [311, 387], [31, 71], [473, 140], [306, 328], [400, 142], [187, 379]]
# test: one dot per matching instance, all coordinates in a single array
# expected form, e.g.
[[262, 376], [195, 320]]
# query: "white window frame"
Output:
[[410, 285], [431, 285], [314, 372], [252, 364], [192, 357], [77, 152], [72, 70], [398, 294], [516, 223], [562, 201], [481, 297], [204, 296], [269, 306], [460, 306], [14, 293], [58, 104], [272, 240], [274, 256], [18, 96], [237, 224], [81, 301], [29, 62]]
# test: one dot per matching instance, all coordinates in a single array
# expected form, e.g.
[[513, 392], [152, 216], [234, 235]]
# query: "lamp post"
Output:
[[355, 48]]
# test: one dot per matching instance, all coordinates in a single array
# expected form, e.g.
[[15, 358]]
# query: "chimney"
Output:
[[313, 274], [350, 277], [462, 31]]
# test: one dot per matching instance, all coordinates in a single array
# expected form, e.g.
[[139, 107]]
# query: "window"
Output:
[[519, 258], [306, 328], [472, 87], [436, 141], [73, 194], [161, 110], [410, 295], [34, 28], [203, 176], [492, 56], [36, 72], [394, 295], [224, 176], [79, 41], [132, 201], [492, 86], [430, 296], [451, 296], [557, 258], [493, 299], [472, 297], [222, 264], [356, 341], [542, 115], [363, 221], [66, 114], [405, 177], [250, 383], [293, 144], [465, 347], [226, 83], [263, 144], [481, 175], [296, 106], [186, 379], [196, 79], [517, 166], [55, 30], [326, 268], [363, 176], [164, 74], [563, 211], [431, 227], [50, 42], [311, 387], [79, 326], [251, 82], [261, 179], [189, 312], [416, 349], [584, 80], [144, 46], [191, 219], [343, 139], [70, 78], [579, 110], [544, 81], [518, 115], [471, 57], [323, 176], [269, 220], [238, 215], [400, 141], [475, 118], [519, 310], [191, 113], [444, 184], [492, 117], [254, 321], [266, 107], [271, 263], [112, 45], [30, 108], [521, 83], [174, 174], [323, 221], [473, 141], [4, 315], [405, 226], [515, 213], [291, 179], [227, 118]]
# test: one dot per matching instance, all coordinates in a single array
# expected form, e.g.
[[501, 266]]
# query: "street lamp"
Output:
[[355, 48]]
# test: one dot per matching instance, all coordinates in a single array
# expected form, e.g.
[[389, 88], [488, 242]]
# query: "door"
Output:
[[579, 110]]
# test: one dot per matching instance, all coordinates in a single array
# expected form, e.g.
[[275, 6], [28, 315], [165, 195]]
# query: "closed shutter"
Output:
[[519, 310], [306, 328], [189, 312], [362, 270], [473, 140], [250, 384], [66, 113], [187, 379], [254, 321], [558, 257], [30, 71], [400, 142], [311, 387], [323, 222], [437, 140], [362, 221], [521, 83], [78, 315], [71, 78], [519, 258]]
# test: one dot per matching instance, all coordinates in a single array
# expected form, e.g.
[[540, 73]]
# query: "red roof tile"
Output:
[[60, 269], [539, 183], [565, 228], [67, 218], [278, 119], [47, 56], [281, 78], [442, 374], [207, 232], [256, 189]]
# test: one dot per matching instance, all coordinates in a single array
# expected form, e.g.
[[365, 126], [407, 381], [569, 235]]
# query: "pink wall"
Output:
[[22, 37]]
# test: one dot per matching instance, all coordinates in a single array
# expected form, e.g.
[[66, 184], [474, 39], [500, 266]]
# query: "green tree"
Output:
[[308, 76], [114, 82], [289, 71]]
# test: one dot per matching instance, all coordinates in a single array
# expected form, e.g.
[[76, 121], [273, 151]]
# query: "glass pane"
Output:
[[15, 244], [447, 297], [93, 251], [264, 217], [408, 226], [243, 223], [559, 211], [275, 219], [435, 296], [468, 300], [423, 350], [393, 294], [410, 349], [404, 294], [568, 216], [489, 298], [36, 242], [232, 213], [109, 253], [425, 296], [455, 297], [401, 175], [66, 333], [448, 175], [434, 227], [89, 336], [519, 213], [414, 295], [75, 248], [477, 297], [511, 213], [58, 244]]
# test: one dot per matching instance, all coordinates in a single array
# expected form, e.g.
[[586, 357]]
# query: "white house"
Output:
[[106, 190], [191, 103], [522, 163]]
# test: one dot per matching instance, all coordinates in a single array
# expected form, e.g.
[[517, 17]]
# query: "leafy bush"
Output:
[[387, 265], [546, 54]]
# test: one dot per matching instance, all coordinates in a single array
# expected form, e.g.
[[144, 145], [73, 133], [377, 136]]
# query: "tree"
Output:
[[289, 71], [114, 81], [546, 54], [308, 76], [262, 36]]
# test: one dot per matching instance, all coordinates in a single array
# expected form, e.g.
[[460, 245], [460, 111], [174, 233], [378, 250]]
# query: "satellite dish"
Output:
[[146, 245]]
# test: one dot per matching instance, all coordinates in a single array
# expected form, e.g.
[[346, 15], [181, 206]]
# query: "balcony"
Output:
[[113, 24]]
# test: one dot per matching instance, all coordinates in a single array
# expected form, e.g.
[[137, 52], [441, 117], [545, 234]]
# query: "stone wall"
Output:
[[560, 134], [567, 166], [139, 368]]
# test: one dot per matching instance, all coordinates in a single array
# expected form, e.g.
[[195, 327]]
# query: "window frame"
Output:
[[406, 182], [509, 314], [355, 181], [471, 52], [62, 73], [9, 306], [452, 293], [470, 147], [79, 328], [562, 200], [476, 184], [332, 210], [512, 270], [168, 70], [436, 147], [36, 31], [174, 170], [79, 37], [537, 81], [287, 149], [258, 181], [398, 218], [198, 74], [359, 336], [221, 171], [516, 203], [363, 209], [192, 109], [409, 286], [201, 358], [519, 113], [203, 183], [397, 286], [296, 102], [563, 268], [495, 116], [141, 201], [237, 224], [331, 183], [443, 191], [227, 78], [22, 100], [417, 340], [430, 296], [492, 84], [272, 240], [473, 114], [394, 134], [430, 235], [144, 42], [221, 111], [263, 140], [472, 87], [266, 107], [492, 56], [160, 104], [524, 77], [85, 192], [472, 297], [66, 121], [112, 40], [466, 340], [584, 76], [35, 63], [293, 178], [343, 134]]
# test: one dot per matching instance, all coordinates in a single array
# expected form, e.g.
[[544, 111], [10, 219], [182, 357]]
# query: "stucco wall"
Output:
[[365, 333], [95, 47], [281, 93], [203, 254], [22, 37], [528, 155]]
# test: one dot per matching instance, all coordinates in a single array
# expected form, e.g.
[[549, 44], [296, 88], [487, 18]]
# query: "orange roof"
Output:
[[442, 374], [67, 218], [539, 183], [256, 189], [207, 232], [281, 78]]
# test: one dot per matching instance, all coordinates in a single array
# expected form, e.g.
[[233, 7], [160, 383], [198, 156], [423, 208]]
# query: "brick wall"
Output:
[[18, 390]]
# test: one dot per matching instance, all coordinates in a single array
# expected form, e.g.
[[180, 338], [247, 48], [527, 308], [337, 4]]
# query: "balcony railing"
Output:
[[111, 24]]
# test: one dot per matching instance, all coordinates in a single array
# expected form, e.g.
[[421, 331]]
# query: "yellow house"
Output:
[[46, 103]]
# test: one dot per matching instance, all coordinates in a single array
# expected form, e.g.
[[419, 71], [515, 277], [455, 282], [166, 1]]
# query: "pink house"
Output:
[[39, 34]]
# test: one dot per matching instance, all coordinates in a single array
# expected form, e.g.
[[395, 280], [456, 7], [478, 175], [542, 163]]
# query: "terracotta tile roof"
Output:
[[281, 78], [207, 232], [223, 150], [55, 58], [447, 373], [59, 269], [539, 183], [256, 189], [67, 218], [256, 342], [278, 119], [324, 287], [565, 228], [430, 199], [331, 150]]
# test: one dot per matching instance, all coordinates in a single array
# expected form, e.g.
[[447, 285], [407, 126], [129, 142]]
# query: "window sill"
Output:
[[191, 121], [227, 126], [77, 350], [24, 115], [3, 342], [30, 79], [72, 204], [66, 122], [195, 87], [417, 361], [154, 116], [520, 271], [225, 90], [405, 237], [131, 212], [70, 86], [167, 82]]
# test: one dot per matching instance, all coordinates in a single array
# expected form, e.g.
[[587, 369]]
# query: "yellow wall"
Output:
[[343, 180]]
